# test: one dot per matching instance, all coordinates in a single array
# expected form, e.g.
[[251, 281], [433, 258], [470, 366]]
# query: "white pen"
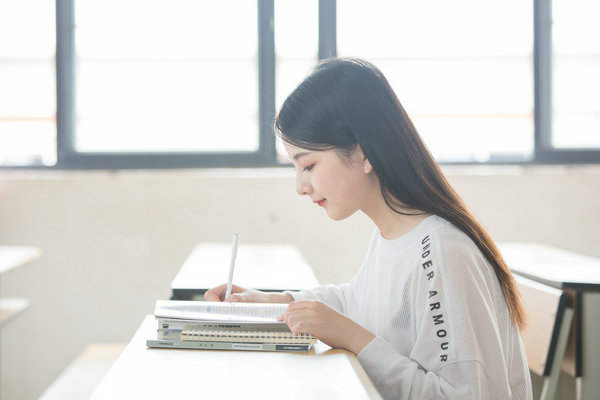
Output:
[[236, 238]]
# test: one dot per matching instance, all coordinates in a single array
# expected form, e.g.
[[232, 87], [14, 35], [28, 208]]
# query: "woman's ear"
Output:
[[367, 167], [366, 164]]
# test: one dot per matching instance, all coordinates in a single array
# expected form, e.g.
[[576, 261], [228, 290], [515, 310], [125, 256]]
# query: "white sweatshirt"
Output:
[[442, 324]]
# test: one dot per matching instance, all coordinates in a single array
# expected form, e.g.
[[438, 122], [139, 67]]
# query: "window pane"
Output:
[[296, 48], [576, 74], [166, 76], [462, 70], [27, 83]]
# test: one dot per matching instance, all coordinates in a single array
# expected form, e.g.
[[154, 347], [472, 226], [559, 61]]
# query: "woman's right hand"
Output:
[[241, 294]]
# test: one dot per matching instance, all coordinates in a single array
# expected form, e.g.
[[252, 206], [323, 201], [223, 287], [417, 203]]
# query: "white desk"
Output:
[[268, 267], [12, 257], [16, 256], [142, 373], [578, 276]]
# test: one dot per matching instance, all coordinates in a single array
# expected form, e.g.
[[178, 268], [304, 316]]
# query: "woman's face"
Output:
[[341, 185]]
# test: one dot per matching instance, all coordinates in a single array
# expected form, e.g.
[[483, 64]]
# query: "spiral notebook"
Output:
[[225, 326]]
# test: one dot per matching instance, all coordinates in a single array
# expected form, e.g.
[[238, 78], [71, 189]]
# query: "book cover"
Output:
[[192, 345], [187, 324]]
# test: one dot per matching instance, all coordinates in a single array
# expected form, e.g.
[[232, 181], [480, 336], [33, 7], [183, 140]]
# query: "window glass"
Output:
[[462, 70], [27, 83], [296, 48], [576, 74], [166, 76]]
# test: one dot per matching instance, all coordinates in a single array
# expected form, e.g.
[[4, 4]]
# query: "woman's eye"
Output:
[[308, 168]]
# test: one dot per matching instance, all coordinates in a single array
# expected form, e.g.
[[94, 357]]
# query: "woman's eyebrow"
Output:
[[300, 155]]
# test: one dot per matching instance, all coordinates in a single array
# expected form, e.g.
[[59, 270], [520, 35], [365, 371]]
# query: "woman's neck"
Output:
[[399, 224], [391, 224]]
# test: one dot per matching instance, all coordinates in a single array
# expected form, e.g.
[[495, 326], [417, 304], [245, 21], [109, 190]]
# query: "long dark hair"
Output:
[[348, 102]]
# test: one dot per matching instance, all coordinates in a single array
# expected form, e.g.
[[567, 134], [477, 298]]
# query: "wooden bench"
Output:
[[549, 321], [82, 376]]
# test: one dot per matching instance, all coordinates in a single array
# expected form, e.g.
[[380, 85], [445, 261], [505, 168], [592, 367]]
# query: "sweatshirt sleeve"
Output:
[[332, 295], [399, 377], [458, 352]]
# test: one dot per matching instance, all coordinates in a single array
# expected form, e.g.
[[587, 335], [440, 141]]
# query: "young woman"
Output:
[[434, 311]]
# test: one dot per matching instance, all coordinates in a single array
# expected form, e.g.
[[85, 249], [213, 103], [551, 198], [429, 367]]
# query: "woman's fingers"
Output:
[[242, 294], [301, 316], [326, 324], [301, 305], [218, 293], [239, 297]]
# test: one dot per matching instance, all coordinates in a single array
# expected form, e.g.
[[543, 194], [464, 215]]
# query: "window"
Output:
[[195, 83], [27, 83], [566, 115], [466, 82], [166, 85], [576, 74]]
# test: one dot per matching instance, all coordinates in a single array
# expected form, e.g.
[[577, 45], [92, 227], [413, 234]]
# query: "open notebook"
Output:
[[225, 326]]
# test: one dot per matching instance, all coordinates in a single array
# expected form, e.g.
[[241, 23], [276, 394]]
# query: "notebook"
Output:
[[225, 326]]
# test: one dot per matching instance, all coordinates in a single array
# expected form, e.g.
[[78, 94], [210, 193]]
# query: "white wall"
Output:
[[113, 241]]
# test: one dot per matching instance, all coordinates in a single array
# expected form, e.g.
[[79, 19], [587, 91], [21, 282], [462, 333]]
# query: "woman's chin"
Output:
[[337, 216]]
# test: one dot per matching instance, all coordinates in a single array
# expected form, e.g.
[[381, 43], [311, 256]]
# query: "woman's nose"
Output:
[[302, 185]]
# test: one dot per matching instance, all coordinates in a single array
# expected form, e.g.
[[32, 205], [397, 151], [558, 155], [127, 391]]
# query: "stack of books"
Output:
[[225, 326]]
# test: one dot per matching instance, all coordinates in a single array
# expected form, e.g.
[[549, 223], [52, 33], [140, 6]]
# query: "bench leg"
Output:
[[551, 381]]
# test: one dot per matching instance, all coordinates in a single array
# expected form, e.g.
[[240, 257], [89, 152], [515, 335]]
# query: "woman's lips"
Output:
[[320, 202]]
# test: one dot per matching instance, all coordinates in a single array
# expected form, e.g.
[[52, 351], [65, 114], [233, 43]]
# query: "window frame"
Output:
[[543, 152], [69, 158], [266, 155]]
